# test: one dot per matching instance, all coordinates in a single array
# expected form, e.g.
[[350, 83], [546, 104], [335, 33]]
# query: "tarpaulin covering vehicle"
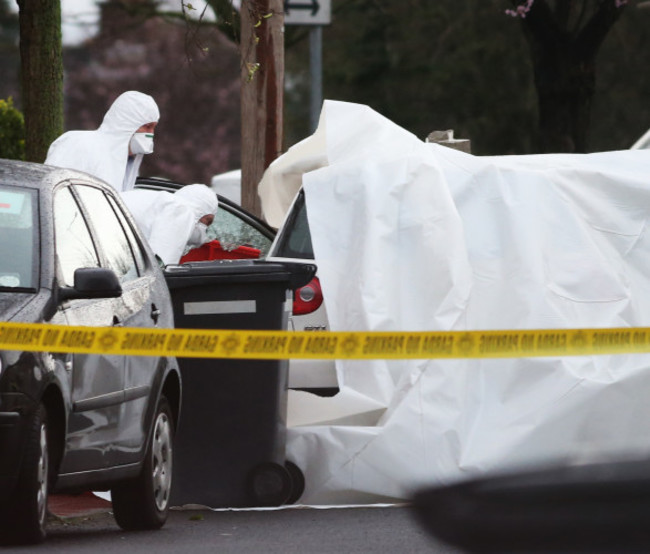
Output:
[[410, 236]]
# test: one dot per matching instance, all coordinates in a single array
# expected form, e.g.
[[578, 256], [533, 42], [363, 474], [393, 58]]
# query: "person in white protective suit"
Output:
[[114, 151], [173, 222]]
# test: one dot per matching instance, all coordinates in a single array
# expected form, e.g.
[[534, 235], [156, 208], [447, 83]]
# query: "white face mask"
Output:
[[199, 235], [141, 143]]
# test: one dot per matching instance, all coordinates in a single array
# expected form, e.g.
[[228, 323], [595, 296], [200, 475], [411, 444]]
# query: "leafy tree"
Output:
[[464, 65], [448, 64], [564, 37], [426, 65], [9, 55], [12, 131]]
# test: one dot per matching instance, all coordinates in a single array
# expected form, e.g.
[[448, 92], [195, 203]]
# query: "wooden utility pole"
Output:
[[41, 64], [262, 96]]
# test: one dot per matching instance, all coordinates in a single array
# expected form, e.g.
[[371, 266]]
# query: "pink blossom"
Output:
[[523, 9], [620, 3]]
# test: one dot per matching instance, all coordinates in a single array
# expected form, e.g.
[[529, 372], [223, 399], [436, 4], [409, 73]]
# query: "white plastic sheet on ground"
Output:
[[415, 236]]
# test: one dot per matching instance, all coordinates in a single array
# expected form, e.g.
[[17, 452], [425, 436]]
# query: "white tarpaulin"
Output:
[[415, 236]]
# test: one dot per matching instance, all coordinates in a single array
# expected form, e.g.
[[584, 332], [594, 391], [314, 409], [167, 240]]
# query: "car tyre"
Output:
[[143, 502], [25, 519]]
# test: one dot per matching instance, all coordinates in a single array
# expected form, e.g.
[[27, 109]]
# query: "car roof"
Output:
[[39, 176], [25, 174]]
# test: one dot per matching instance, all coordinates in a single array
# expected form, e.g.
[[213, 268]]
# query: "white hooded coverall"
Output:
[[104, 152], [167, 220]]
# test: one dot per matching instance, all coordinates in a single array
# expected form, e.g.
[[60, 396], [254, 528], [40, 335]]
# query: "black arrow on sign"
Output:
[[314, 6]]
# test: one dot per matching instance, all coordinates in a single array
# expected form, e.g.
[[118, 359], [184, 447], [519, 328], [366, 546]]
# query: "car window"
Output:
[[232, 231], [136, 249], [18, 232], [294, 240], [110, 234], [74, 246]]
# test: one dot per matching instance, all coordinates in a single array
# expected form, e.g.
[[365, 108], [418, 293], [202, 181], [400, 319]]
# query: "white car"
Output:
[[643, 142], [234, 226], [292, 243], [228, 184]]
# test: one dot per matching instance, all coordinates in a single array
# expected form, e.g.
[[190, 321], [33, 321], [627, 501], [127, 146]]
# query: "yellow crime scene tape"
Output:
[[200, 343]]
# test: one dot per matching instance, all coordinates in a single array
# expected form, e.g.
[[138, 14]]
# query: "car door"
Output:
[[96, 381], [143, 304]]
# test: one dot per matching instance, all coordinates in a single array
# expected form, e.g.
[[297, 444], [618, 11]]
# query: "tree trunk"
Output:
[[564, 38], [41, 74], [262, 55], [565, 88]]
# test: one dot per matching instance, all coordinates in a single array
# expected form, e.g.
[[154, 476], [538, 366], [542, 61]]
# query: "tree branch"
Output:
[[228, 18], [539, 24], [594, 32]]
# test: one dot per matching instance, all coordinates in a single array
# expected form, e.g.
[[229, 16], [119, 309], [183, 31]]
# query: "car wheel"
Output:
[[143, 503], [26, 514]]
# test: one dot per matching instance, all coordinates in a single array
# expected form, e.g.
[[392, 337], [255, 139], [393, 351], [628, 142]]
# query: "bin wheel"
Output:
[[269, 484], [297, 481]]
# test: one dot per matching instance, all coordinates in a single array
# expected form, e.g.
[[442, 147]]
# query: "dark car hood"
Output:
[[11, 303]]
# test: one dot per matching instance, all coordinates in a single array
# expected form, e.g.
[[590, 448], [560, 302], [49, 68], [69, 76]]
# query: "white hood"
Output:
[[104, 153], [167, 220]]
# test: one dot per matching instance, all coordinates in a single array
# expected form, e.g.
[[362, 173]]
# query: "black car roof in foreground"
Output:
[[35, 175]]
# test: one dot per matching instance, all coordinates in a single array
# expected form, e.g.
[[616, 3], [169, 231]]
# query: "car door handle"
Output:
[[155, 313], [116, 321]]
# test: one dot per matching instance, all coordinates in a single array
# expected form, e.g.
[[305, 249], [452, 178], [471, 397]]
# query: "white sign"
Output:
[[307, 12]]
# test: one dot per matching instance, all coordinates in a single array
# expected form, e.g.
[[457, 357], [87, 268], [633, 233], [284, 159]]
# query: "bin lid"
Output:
[[296, 274]]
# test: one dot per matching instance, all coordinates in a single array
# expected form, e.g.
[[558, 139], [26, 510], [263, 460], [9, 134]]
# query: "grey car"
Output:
[[71, 255]]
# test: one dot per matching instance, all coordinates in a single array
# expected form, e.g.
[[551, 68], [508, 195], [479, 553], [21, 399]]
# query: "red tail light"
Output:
[[307, 299]]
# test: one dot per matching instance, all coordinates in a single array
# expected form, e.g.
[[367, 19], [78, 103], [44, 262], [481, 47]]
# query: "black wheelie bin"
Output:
[[230, 444]]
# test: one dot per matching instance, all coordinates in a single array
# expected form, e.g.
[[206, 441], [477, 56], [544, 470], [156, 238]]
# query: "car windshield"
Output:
[[18, 246], [295, 238], [232, 232]]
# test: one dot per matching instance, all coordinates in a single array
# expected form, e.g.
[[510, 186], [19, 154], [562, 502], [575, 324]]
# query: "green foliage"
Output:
[[448, 64], [12, 131], [462, 65], [621, 112]]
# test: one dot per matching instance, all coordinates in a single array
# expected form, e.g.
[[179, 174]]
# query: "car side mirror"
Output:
[[92, 282], [597, 507]]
